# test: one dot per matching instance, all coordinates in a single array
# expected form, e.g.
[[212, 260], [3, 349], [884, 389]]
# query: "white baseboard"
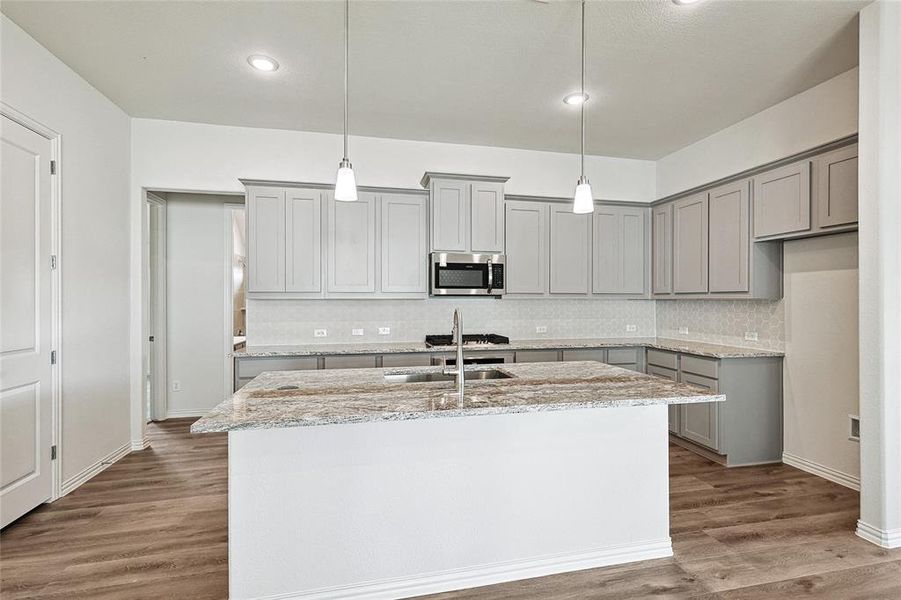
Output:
[[141, 444], [470, 577], [849, 481], [92, 469], [884, 538], [185, 412]]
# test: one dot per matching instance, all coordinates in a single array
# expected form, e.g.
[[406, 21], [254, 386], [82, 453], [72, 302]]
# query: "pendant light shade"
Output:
[[345, 180], [583, 201]]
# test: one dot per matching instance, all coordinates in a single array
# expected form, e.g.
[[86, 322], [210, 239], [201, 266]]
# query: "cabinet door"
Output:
[[487, 217], [662, 249], [673, 410], [449, 204], [598, 354], [303, 240], [351, 244], [729, 237], [782, 200], [607, 258], [527, 240], [633, 233], [570, 253], [837, 187], [403, 241], [698, 422], [533, 356], [265, 239], [690, 244]]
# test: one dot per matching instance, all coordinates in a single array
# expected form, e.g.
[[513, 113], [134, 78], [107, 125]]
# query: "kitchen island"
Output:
[[345, 483]]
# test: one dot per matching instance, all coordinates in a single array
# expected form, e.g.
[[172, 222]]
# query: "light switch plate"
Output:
[[384, 331], [541, 329], [683, 330], [356, 332], [751, 336], [320, 333], [631, 328], [176, 386]]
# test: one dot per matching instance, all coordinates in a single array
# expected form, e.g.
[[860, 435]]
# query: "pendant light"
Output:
[[583, 202], [345, 182]]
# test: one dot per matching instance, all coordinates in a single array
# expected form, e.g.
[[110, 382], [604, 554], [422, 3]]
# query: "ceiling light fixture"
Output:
[[583, 201], [262, 63], [576, 98], [345, 181]]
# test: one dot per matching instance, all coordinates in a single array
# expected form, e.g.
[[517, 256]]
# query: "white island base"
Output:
[[403, 508]]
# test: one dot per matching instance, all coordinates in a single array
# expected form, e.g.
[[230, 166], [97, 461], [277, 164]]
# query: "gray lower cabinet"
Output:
[[745, 429], [403, 239], [530, 356], [782, 200], [570, 251], [247, 367], [354, 361], [836, 188], [420, 359], [527, 247], [598, 354], [619, 250], [690, 244], [662, 249]]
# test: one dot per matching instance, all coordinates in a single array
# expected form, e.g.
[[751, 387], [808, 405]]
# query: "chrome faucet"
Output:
[[458, 373]]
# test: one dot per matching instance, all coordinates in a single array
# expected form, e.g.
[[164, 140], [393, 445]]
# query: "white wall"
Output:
[[821, 372], [95, 243], [880, 273], [821, 114], [196, 319]]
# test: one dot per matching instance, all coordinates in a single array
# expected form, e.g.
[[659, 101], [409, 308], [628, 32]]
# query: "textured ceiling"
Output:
[[479, 72]]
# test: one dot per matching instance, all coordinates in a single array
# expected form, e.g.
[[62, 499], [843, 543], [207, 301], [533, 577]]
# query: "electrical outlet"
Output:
[[751, 336], [320, 333], [541, 329], [384, 331], [683, 330], [356, 332], [176, 386], [631, 328]]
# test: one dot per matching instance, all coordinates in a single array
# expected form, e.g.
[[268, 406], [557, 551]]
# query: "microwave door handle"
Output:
[[490, 275]]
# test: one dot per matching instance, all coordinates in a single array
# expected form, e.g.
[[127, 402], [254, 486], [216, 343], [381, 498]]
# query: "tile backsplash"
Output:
[[724, 321], [280, 322]]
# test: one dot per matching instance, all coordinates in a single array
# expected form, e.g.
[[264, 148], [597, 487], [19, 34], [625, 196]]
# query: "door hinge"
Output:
[[53, 357], [53, 452], [52, 262], [53, 167]]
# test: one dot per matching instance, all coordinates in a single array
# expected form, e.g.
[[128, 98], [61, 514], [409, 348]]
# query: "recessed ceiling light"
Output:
[[576, 98], [262, 63], [683, 2]]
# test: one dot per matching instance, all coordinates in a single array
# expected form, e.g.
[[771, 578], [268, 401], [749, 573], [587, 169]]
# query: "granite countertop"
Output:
[[687, 346], [277, 399]]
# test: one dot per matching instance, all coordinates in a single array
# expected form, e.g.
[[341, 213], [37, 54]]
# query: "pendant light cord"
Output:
[[582, 106], [346, 36]]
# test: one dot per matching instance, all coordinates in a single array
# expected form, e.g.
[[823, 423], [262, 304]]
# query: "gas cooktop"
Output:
[[469, 339]]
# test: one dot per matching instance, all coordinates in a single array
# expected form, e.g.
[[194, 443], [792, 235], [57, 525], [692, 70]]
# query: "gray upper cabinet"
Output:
[[303, 240], [266, 239], [690, 238], [619, 250], [403, 244], [662, 249], [729, 237], [570, 251], [527, 247], [782, 200], [351, 246], [466, 212], [487, 217], [836, 190]]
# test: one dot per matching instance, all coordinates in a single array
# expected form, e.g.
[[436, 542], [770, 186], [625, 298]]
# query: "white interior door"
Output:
[[25, 333]]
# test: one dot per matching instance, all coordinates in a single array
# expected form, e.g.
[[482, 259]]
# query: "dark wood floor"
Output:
[[153, 526]]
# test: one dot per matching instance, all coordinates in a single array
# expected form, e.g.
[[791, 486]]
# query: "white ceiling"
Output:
[[479, 72]]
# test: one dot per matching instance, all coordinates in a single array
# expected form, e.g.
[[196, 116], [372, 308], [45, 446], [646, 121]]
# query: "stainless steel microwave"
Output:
[[467, 274]]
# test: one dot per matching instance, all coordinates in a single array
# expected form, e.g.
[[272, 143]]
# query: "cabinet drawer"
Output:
[[630, 366], [527, 356], [700, 381], [422, 359], [670, 360], [365, 361], [663, 372], [248, 368], [622, 356], [708, 367], [598, 355]]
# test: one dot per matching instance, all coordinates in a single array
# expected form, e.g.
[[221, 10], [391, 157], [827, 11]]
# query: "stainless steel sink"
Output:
[[439, 376]]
